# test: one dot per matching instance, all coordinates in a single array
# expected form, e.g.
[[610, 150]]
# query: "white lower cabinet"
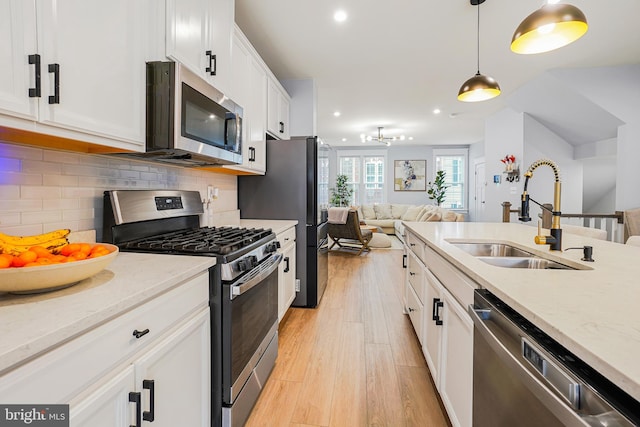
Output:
[[157, 354], [445, 330], [286, 271]]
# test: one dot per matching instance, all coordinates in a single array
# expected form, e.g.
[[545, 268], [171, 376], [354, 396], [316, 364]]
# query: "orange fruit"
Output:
[[8, 257], [4, 262], [28, 256], [85, 248], [41, 251], [77, 256], [32, 264], [17, 262], [69, 249], [99, 248]]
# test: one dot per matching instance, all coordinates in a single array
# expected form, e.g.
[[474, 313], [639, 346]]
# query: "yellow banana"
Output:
[[38, 239], [15, 250]]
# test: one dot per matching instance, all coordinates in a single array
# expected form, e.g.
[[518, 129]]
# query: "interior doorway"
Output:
[[480, 190]]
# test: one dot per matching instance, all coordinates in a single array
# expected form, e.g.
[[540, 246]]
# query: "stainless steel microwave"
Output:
[[189, 122]]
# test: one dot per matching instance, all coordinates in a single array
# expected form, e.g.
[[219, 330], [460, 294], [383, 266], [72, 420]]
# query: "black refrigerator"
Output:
[[292, 188]]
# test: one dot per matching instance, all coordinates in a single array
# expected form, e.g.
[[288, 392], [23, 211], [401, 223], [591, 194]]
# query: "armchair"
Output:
[[349, 234]]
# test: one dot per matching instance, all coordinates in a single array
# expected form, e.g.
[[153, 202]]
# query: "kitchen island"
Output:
[[592, 311]]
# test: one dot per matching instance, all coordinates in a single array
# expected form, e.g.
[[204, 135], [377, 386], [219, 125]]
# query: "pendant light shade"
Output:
[[478, 87], [550, 27]]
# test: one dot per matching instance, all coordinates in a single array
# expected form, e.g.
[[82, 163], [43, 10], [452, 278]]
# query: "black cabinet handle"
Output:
[[286, 261], [404, 261], [213, 63], [140, 334], [252, 154], [135, 397], [55, 69], [281, 127], [35, 92], [410, 309], [411, 273], [151, 413], [437, 305]]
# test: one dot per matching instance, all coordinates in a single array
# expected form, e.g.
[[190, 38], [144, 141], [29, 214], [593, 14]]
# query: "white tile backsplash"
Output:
[[42, 190]]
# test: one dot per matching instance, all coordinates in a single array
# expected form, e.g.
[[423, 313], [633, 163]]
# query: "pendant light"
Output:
[[478, 87], [548, 28]]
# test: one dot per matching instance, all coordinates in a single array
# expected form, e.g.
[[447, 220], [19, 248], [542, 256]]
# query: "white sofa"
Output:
[[389, 216]]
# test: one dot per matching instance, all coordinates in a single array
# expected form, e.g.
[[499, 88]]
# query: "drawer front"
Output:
[[456, 282], [287, 237], [416, 313], [63, 372], [415, 275], [415, 245]]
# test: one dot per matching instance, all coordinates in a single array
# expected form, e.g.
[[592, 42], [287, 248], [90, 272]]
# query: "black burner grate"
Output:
[[206, 240]]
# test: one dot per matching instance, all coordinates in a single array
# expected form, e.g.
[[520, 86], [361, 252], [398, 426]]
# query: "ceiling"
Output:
[[391, 63]]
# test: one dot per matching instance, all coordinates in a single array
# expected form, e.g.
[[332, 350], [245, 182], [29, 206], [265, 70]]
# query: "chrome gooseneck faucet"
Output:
[[555, 239]]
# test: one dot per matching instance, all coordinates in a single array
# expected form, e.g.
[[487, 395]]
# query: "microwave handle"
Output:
[[235, 122]]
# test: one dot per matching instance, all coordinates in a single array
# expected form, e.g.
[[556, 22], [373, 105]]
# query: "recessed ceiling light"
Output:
[[336, 113], [340, 16], [410, 138], [436, 111], [344, 139]]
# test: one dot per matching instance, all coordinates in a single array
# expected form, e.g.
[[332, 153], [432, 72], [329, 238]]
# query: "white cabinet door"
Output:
[[286, 280], [432, 330], [249, 90], [415, 309], [456, 370], [17, 47], [180, 368], [93, 66], [277, 110], [109, 406], [199, 36]]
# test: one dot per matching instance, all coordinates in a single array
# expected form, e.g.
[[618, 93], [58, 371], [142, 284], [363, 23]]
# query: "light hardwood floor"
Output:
[[355, 360]]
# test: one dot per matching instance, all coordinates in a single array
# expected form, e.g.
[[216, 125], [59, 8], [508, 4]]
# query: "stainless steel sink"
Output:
[[492, 250], [508, 256], [531, 261]]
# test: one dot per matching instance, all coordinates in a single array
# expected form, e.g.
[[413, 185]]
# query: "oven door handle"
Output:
[[266, 268]]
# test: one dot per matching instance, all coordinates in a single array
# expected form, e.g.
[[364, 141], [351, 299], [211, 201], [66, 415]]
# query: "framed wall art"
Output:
[[410, 175]]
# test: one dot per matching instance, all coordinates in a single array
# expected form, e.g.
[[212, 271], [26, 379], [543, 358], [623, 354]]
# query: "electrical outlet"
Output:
[[297, 285]]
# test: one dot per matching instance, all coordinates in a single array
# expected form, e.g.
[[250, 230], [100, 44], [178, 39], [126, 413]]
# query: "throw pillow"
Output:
[[368, 212], [448, 215], [383, 211], [398, 210], [432, 216], [412, 213]]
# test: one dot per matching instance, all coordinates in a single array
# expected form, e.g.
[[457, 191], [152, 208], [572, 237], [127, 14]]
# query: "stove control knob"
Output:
[[247, 263], [273, 246]]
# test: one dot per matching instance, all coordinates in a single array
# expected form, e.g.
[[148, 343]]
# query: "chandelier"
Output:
[[381, 138]]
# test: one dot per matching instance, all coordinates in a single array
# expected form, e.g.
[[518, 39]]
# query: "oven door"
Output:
[[249, 319]]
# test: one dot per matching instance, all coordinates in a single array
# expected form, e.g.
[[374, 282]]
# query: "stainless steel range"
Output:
[[243, 286]]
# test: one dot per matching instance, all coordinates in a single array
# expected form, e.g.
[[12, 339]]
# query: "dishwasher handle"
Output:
[[559, 407]]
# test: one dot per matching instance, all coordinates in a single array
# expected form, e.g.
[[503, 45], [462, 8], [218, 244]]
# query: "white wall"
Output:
[[504, 134], [421, 152], [540, 142], [43, 190], [617, 90], [302, 109]]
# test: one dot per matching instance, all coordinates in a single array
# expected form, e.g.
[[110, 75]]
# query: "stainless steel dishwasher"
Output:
[[522, 377]]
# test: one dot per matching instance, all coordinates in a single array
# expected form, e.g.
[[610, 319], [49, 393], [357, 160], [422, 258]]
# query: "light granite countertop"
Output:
[[276, 225], [32, 324], [595, 313]]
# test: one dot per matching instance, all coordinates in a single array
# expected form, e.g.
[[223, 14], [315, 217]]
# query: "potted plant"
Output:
[[341, 193], [437, 189]]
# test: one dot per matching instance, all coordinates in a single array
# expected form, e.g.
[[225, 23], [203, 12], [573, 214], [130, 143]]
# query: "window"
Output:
[[365, 171], [454, 163]]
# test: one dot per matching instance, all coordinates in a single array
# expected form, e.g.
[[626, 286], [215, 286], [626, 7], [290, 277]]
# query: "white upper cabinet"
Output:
[[77, 68], [277, 110], [93, 69], [249, 89], [199, 36], [18, 47]]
